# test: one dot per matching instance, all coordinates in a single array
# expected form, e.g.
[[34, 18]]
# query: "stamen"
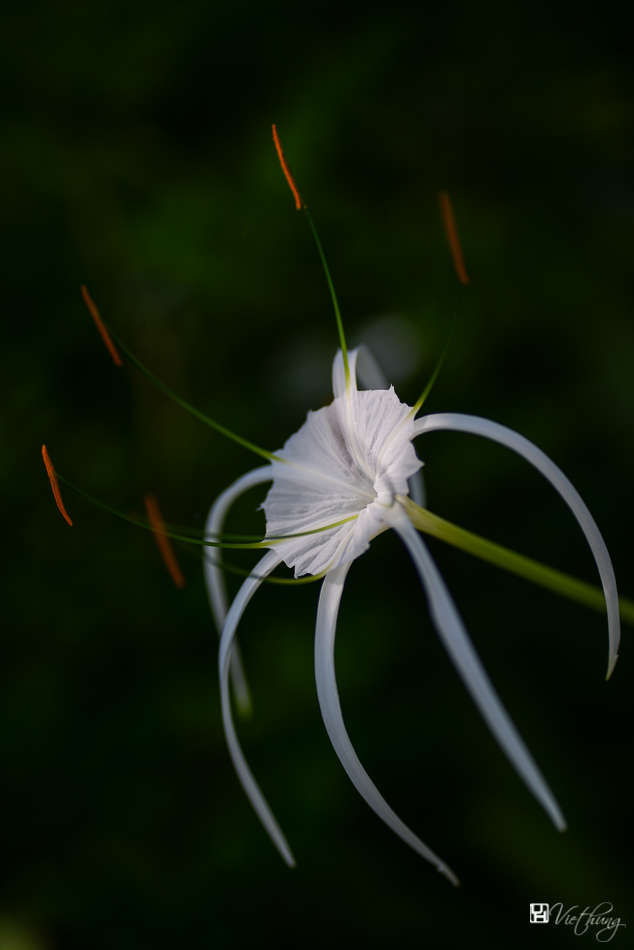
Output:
[[449, 222], [162, 541], [54, 484], [333, 295], [299, 204], [105, 336]]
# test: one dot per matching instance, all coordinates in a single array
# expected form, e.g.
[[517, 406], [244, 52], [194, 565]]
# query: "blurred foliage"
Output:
[[136, 158]]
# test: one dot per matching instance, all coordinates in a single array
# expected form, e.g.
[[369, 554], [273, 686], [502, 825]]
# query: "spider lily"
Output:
[[349, 474], [342, 479]]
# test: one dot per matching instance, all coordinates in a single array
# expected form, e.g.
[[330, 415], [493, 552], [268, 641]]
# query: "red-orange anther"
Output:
[[163, 542], [299, 204], [449, 222], [54, 483], [105, 336]]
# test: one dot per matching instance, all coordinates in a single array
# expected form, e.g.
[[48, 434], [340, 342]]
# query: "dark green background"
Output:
[[136, 158]]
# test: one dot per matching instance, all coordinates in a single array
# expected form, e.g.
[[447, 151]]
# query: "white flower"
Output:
[[341, 480]]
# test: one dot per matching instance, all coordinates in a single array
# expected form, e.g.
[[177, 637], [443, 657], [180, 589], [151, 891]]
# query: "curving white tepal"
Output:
[[338, 482]]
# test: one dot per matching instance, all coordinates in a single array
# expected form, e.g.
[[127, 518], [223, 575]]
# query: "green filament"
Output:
[[269, 456], [324, 263], [441, 359], [199, 537], [175, 535]]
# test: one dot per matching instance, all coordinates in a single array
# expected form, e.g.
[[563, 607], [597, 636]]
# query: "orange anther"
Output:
[[105, 336], [449, 222], [163, 542], [299, 204], [54, 483]]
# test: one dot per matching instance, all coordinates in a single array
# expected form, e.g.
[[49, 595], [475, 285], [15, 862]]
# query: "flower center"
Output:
[[383, 498]]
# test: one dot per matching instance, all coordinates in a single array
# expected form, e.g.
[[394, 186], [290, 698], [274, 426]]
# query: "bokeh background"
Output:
[[137, 159]]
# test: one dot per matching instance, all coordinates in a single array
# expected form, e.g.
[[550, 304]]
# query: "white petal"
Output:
[[329, 599], [498, 433], [214, 575], [251, 584], [371, 376], [456, 641], [322, 481]]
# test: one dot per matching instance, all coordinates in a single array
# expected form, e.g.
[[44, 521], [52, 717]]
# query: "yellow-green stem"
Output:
[[580, 591]]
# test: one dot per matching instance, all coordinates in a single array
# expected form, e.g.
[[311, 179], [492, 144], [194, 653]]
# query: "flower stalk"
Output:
[[582, 592]]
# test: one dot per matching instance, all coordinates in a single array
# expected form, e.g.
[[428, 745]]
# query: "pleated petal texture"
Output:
[[341, 466]]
